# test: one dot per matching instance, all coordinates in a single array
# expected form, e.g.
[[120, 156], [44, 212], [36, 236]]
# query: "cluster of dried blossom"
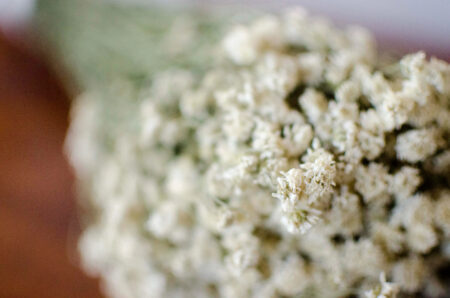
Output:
[[299, 165]]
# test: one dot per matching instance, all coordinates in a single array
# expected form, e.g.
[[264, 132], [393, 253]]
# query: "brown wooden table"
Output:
[[38, 222]]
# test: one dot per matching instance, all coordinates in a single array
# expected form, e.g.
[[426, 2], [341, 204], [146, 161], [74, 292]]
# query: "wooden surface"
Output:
[[38, 222]]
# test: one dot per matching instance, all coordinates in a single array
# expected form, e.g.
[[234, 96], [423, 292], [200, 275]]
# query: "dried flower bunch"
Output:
[[299, 164]]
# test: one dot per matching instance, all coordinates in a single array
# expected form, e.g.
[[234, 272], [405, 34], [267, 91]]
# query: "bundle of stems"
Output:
[[95, 42]]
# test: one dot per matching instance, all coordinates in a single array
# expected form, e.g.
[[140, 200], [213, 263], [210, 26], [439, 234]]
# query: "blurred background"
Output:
[[38, 220]]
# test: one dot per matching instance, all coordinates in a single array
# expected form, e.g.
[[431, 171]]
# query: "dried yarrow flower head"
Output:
[[297, 164]]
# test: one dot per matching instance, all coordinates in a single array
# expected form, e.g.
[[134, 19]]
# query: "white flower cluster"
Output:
[[384, 290], [305, 191], [299, 165]]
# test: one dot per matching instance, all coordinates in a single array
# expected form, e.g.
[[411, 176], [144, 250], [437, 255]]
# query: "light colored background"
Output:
[[15, 12], [407, 25]]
